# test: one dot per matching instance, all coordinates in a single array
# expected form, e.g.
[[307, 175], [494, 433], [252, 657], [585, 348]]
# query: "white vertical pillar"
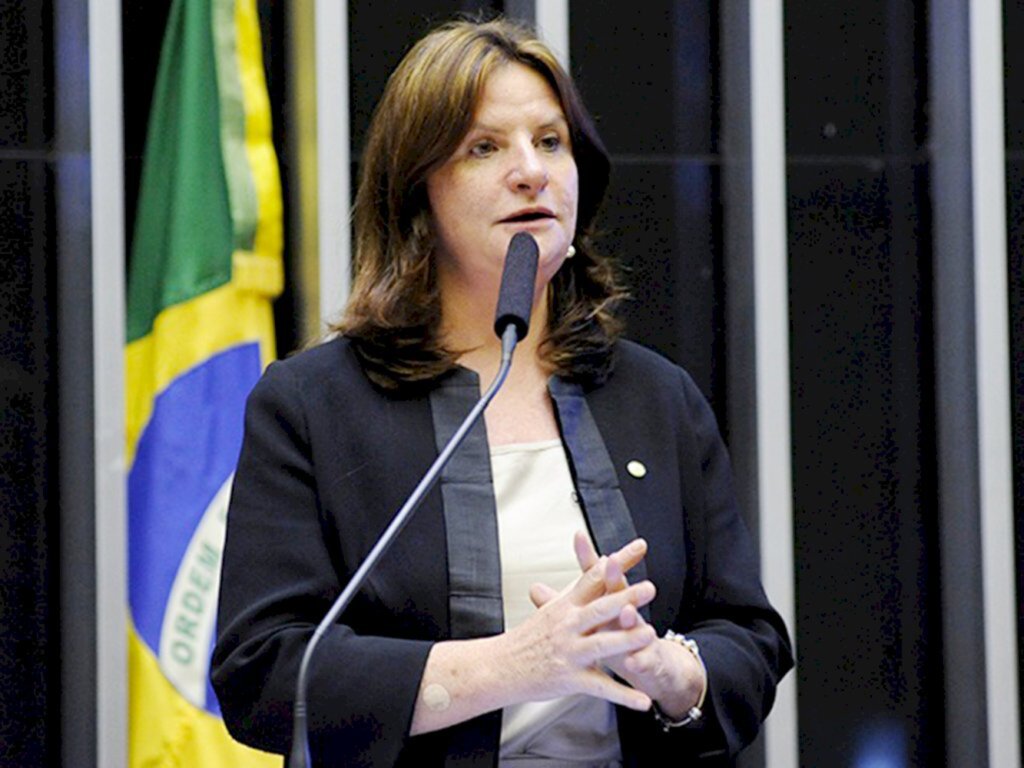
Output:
[[106, 117], [333, 157], [992, 340], [771, 333], [553, 27]]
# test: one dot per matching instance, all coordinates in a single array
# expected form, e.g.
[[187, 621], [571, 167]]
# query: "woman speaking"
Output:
[[579, 588]]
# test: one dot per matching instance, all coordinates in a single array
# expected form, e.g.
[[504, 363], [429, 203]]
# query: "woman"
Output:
[[490, 628]]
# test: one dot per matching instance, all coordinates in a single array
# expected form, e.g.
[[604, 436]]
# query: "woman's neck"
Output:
[[522, 410], [467, 326]]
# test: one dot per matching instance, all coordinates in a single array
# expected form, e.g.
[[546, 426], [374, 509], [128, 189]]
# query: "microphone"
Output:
[[512, 321], [515, 298]]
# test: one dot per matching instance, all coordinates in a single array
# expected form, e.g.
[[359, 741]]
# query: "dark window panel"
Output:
[[15, 33], [864, 506], [25, 106], [277, 57], [379, 35], [27, 586], [14, 109], [26, 93], [1015, 253], [648, 75], [856, 77], [143, 23], [662, 221], [649, 78], [23, 198], [1013, 68]]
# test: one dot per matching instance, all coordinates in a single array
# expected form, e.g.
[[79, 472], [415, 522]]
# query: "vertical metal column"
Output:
[[75, 406], [552, 18], [108, 289], [956, 419], [333, 156], [771, 331], [738, 255], [303, 241], [992, 344], [972, 385]]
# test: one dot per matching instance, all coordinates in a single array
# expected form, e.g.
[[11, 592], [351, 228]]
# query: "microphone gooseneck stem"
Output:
[[300, 755]]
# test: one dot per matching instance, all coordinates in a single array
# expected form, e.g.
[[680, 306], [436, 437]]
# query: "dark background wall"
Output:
[[865, 522], [650, 77], [28, 448], [1013, 58]]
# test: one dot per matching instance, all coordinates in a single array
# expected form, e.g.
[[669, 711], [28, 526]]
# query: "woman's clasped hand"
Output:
[[566, 647], [566, 644], [579, 641], [664, 670]]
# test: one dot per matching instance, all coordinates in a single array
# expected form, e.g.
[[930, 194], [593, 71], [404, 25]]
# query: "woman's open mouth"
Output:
[[528, 216]]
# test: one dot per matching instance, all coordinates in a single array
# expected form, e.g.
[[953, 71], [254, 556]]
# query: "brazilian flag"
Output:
[[205, 265]]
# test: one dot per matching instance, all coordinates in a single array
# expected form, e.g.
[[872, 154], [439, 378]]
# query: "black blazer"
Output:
[[327, 460]]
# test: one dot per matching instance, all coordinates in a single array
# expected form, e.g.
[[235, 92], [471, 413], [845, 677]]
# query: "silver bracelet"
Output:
[[694, 714]]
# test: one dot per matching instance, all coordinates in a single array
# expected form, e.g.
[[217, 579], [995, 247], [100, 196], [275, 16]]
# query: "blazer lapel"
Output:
[[597, 483]]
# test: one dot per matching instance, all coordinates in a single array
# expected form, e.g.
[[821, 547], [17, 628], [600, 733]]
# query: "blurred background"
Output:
[[820, 208]]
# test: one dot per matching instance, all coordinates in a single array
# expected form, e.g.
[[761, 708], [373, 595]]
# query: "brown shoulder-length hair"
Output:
[[393, 315]]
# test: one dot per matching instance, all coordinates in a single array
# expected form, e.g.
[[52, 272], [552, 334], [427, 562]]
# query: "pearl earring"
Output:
[[571, 252]]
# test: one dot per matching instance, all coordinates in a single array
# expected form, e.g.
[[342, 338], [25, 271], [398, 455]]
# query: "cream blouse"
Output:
[[538, 514]]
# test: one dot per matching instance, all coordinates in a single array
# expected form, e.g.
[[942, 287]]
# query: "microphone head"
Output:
[[515, 298]]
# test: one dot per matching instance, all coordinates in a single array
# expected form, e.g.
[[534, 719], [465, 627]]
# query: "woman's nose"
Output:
[[529, 174]]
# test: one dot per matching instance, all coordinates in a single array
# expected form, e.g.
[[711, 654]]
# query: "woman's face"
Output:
[[513, 172]]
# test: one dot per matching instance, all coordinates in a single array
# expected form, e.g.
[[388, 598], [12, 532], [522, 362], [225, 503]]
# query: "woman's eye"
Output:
[[482, 148], [551, 143]]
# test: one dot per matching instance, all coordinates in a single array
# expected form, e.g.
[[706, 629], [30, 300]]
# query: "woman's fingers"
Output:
[[591, 585], [541, 594], [603, 575], [596, 622], [624, 559], [601, 685], [630, 617], [614, 578], [586, 555], [644, 662], [559, 648], [630, 555], [599, 646], [602, 610], [667, 672]]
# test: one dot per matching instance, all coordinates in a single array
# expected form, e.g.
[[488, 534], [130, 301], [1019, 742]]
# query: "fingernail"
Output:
[[637, 545]]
